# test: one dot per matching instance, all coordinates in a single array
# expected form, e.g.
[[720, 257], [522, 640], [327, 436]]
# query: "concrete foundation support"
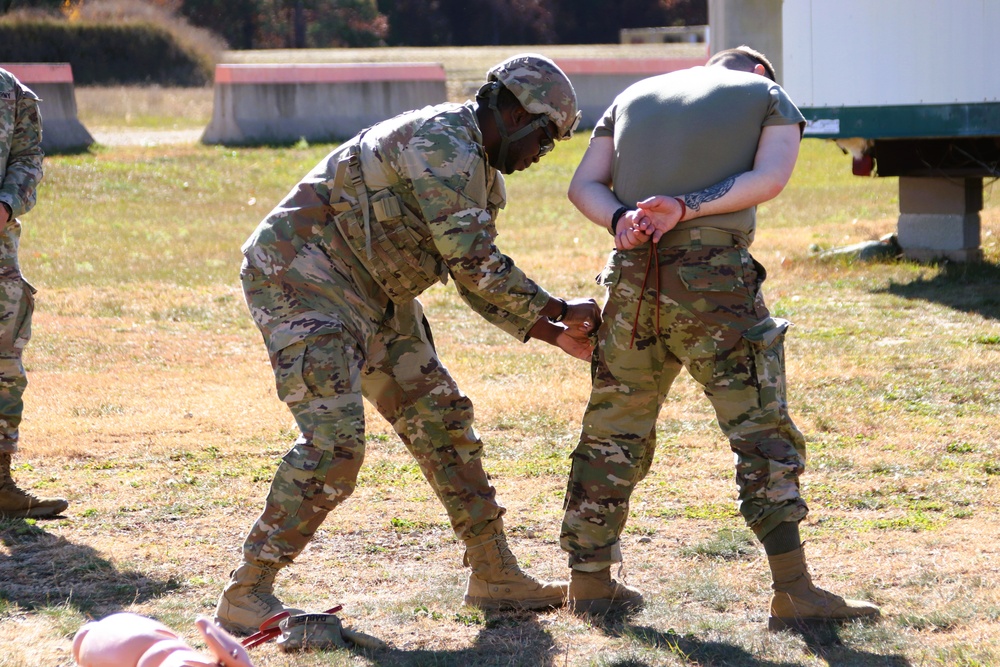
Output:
[[939, 218], [756, 23]]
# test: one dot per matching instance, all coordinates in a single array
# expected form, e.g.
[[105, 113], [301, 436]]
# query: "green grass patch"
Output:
[[726, 544], [711, 511]]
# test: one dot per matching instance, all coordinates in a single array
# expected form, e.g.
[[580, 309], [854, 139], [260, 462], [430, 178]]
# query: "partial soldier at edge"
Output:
[[20, 172]]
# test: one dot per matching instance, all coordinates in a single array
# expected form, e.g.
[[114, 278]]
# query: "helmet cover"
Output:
[[541, 88]]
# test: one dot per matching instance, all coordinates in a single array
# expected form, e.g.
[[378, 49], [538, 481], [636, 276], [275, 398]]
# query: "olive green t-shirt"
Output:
[[684, 131]]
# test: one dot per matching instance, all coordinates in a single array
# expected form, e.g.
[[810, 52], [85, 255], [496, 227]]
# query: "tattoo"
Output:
[[695, 200]]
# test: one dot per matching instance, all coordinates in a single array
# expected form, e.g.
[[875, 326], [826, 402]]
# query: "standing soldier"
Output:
[[331, 277], [682, 159], [20, 172]]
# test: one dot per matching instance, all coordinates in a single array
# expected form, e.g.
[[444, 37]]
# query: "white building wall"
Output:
[[891, 52]]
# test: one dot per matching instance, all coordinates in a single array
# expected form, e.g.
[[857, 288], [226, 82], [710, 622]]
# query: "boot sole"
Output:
[[240, 630], [233, 628], [602, 606], [488, 604], [775, 624], [34, 512]]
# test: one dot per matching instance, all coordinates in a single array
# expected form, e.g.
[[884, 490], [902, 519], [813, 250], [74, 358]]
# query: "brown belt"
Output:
[[706, 236]]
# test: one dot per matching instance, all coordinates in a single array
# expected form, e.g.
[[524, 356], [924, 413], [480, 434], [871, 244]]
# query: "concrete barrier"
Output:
[[257, 104], [666, 35], [53, 82], [599, 80]]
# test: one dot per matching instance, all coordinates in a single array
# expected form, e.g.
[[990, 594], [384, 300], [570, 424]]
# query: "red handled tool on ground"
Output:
[[269, 629]]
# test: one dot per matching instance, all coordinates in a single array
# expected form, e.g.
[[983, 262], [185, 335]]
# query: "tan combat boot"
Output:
[[798, 605], [497, 581], [598, 593], [16, 503], [248, 600]]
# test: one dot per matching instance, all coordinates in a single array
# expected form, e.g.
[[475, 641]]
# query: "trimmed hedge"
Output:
[[107, 54]]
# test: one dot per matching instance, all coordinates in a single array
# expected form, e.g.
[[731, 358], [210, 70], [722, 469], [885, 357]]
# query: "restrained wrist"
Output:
[[615, 217], [684, 208]]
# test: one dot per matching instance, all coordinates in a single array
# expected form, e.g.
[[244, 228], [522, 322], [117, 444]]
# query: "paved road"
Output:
[[144, 137]]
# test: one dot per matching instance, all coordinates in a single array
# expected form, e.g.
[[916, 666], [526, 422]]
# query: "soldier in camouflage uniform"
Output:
[[331, 277], [20, 172], [724, 138]]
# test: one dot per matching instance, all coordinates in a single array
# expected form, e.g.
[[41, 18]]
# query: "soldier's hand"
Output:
[[662, 212], [573, 345], [634, 229], [583, 315], [570, 341], [631, 237]]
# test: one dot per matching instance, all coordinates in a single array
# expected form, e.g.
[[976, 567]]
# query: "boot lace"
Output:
[[260, 590], [622, 576], [508, 561]]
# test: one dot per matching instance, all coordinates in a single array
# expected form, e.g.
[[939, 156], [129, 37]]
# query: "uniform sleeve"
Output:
[[782, 111], [21, 125], [518, 327], [606, 125], [447, 172]]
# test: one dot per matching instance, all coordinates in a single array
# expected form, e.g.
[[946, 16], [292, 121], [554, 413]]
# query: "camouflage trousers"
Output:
[[17, 304], [331, 345], [713, 322]]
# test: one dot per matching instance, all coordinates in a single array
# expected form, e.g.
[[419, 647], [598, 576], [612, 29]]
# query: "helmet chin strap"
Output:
[[507, 139]]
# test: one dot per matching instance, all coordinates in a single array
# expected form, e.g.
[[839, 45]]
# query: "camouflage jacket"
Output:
[[20, 157], [432, 163]]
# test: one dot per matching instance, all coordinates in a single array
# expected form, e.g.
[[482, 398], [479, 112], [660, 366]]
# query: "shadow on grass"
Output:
[[42, 570], [826, 645], [508, 638], [518, 639], [968, 287]]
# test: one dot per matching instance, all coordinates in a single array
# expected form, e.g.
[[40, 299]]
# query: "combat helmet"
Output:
[[541, 88]]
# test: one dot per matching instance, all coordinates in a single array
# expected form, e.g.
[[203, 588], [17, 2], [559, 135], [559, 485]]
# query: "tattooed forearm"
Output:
[[695, 200]]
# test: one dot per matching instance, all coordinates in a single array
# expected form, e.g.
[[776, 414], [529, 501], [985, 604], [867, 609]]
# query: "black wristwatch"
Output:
[[615, 217], [563, 311]]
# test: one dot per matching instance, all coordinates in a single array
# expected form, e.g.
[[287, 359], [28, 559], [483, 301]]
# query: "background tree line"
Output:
[[270, 24]]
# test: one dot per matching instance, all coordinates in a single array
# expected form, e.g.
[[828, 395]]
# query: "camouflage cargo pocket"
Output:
[[766, 340], [298, 491], [708, 278], [313, 368], [24, 325], [612, 271], [17, 304]]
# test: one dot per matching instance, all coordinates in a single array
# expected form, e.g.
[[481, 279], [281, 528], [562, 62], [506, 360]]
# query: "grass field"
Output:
[[152, 408]]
